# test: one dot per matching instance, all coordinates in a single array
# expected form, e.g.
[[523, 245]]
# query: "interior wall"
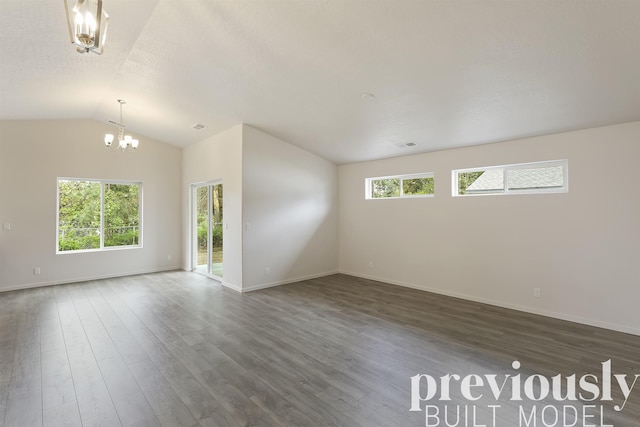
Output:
[[290, 212], [33, 154], [580, 248], [217, 158]]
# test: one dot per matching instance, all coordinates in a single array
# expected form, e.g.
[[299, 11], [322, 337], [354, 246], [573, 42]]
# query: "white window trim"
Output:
[[102, 183], [367, 189], [550, 163]]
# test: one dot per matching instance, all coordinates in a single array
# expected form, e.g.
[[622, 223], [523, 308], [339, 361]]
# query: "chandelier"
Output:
[[88, 31], [124, 141]]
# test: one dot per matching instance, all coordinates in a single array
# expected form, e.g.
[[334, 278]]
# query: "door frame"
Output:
[[194, 227]]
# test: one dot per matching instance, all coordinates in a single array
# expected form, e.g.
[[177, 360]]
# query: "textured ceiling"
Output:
[[445, 73]]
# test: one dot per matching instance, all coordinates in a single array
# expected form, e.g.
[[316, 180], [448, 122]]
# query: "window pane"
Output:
[[78, 215], [121, 214], [385, 188], [216, 230], [417, 186], [202, 218], [535, 178], [481, 182]]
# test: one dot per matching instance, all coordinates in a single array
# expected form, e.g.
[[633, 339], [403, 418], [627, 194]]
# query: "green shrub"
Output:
[[124, 239], [78, 243], [216, 235]]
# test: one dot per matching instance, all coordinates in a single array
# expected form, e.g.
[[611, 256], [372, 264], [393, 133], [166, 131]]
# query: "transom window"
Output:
[[97, 214], [523, 178], [399, 186]]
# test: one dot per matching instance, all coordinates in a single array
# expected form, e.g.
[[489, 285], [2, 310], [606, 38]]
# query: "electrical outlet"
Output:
[[370, 264], [169, 257], [536, 292], [267, 271], [6, 226], [36, 271]]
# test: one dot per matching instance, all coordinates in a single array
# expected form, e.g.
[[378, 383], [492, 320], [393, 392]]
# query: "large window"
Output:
[[417, 185], [524, 178], [95, 214]]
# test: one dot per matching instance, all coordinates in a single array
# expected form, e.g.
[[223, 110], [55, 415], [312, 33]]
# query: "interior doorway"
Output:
[[208, 229]]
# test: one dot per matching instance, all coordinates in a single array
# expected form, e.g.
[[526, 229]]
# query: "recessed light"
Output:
[[198, 126], [411, 144], [368, 97]]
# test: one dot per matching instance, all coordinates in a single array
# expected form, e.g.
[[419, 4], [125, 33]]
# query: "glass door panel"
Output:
[[202, 230], [216, 230], [208, 233]]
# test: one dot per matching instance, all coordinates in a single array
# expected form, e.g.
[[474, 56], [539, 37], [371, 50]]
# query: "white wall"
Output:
[[217, 158], [289, 210], [581, 248], [300, 217], [33, 154]]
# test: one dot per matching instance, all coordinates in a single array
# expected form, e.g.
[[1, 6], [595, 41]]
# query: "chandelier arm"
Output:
[[124, 141]]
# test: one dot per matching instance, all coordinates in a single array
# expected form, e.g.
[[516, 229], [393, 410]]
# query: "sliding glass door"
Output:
[[208, 229]]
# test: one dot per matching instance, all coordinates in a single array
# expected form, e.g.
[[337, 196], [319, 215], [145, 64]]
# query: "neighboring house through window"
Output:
[[524, 178]]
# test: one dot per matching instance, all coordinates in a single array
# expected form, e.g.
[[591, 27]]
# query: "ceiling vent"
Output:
[[405, 144], [198, 126]]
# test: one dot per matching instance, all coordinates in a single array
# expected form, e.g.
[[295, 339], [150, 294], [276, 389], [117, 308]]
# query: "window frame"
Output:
[[515, 166], [102, 183], [368, 181]]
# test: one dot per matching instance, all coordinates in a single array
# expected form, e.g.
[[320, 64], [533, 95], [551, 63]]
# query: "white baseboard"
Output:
[[285, 282], [232, 286], [561, 316], [85, 279]]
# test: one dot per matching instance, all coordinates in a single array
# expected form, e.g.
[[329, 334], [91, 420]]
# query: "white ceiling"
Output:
[[445, 73]]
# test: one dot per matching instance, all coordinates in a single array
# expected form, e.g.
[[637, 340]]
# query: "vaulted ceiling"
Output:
[[444, 73]]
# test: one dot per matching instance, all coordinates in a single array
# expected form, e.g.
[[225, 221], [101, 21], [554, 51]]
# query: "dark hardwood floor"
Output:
[[177, 349]]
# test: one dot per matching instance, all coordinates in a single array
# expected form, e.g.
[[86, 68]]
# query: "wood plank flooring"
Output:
[[177, 349]]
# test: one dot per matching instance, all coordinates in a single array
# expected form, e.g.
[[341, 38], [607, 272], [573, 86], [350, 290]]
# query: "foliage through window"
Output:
[[525, 178], [420, 185], [94, 214], [209, 221]]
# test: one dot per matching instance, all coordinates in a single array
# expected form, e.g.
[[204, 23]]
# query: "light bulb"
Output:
[[134, 143], [108, 139], [91, 23]]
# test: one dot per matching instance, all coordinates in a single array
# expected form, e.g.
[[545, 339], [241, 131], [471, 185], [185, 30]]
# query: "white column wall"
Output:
[[217, 158], [290, 212]]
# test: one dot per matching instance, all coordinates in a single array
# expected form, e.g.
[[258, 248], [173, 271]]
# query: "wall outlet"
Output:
[[267, 271], [169, 257], [536, 292], [6, 226], [36, 271], [370, 264]]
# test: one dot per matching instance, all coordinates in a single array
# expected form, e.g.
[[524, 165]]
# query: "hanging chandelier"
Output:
[[88, 31], [124, 141]]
